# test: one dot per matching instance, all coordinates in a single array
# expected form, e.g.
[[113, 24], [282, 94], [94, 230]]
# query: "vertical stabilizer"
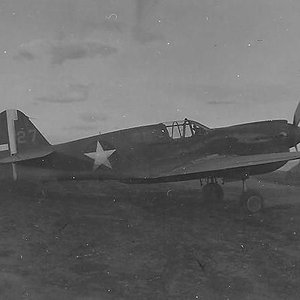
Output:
[[4, 144], [18, 134]]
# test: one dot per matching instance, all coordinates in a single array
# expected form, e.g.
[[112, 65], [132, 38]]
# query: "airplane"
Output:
[[164, 152]]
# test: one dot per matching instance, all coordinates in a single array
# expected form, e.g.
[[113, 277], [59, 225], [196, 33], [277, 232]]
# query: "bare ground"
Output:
[[111, 241]]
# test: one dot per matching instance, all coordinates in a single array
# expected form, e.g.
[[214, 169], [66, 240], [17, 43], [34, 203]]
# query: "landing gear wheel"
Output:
[[213, 192], [251, 201]]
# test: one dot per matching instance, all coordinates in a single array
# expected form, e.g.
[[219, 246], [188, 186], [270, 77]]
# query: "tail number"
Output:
[[24, 137]]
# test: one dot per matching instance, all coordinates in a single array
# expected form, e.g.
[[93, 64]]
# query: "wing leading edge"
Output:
[[225, 166]]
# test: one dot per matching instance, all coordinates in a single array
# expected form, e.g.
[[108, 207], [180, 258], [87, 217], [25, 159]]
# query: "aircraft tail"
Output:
[[18, 134]]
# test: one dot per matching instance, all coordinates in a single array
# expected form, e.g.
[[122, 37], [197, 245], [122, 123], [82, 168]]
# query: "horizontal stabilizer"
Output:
[[32, 154]]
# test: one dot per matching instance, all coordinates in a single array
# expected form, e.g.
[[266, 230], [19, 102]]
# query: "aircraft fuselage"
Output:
[[140, 153]]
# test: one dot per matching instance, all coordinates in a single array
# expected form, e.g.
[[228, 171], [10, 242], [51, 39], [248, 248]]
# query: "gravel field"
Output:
[[112, 241]]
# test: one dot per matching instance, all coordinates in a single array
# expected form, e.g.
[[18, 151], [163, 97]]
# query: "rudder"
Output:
[[18, 134]]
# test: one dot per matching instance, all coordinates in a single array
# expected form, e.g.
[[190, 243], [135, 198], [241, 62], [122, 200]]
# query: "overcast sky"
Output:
[[79, 67]]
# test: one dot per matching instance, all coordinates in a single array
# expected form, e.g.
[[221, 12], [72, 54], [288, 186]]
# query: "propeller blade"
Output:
[[296, 120]]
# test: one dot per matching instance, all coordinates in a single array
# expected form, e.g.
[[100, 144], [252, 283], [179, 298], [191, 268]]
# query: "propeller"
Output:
[[296, 120]]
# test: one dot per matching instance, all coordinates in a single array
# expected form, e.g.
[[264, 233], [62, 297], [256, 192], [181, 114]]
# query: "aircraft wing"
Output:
[[32, 154], [225, 166]]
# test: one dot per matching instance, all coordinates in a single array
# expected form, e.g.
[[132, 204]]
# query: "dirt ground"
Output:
[[111, 241]]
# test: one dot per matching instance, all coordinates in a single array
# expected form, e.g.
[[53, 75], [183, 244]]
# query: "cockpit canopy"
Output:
[[163, 132], [185, 128]]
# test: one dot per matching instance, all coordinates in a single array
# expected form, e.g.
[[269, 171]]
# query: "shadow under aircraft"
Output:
[[163, 152]]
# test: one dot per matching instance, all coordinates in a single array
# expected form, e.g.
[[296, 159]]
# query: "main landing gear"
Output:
[[212, 191], [250, 200]]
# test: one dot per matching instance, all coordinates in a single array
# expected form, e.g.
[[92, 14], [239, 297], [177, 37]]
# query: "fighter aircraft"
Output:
[[163, 152]]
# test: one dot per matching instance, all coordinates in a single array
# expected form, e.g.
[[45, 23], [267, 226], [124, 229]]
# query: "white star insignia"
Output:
[[100, 157]]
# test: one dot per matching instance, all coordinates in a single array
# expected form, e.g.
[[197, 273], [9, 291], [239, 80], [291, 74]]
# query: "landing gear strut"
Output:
[[212, 191], [251, 201]]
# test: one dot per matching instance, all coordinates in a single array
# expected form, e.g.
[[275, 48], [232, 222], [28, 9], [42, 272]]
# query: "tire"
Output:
[[213, 192], [252, 202]]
